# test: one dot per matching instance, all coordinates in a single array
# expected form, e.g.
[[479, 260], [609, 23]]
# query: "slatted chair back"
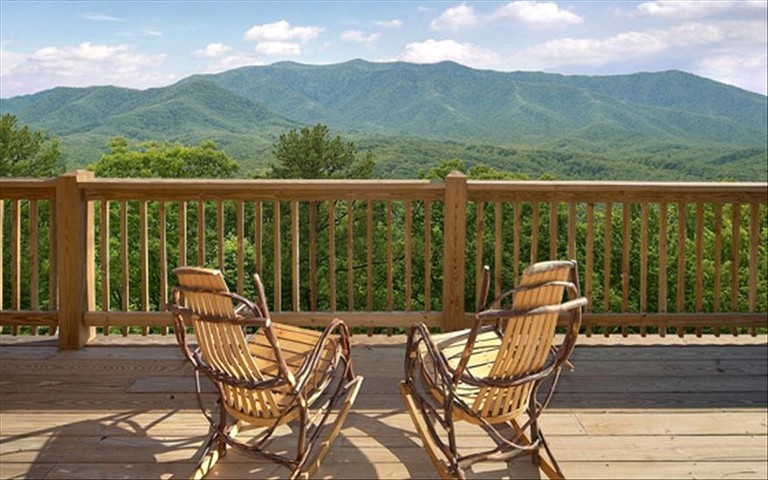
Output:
[[223, 346], [527, 340]]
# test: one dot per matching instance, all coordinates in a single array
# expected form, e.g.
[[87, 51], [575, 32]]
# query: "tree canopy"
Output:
[[25, 152], [164, 160], [311, 152]]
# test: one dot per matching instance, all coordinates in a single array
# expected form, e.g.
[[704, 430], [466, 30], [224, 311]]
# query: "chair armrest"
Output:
[[336, 327], [438, 358]]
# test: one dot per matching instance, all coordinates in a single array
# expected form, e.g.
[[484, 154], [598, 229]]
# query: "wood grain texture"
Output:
[[633, 408]]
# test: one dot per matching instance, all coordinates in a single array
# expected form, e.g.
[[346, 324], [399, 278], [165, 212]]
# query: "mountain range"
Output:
[[654, 126]]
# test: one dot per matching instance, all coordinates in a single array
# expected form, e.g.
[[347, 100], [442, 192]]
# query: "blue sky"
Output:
[[142, 44]]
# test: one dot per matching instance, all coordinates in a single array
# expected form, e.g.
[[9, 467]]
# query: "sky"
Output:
[[143, 44]]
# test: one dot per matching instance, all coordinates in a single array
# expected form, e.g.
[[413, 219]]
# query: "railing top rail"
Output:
[[185, 189], [27, 188], [615, 191]]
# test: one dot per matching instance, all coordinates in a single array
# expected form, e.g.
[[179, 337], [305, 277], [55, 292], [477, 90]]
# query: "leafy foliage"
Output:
[[25, 152], [313, 153], [164, 160]]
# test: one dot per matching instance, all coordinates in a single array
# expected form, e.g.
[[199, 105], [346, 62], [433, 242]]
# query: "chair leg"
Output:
[[423, 430], [210, 457], [549, 465], [311, 465], [216, 446]]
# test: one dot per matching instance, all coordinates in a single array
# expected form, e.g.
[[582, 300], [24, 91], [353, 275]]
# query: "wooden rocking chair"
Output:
[[278, 375], [490, 375]]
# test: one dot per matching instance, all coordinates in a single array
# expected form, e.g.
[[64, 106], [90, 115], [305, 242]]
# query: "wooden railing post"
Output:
[[455, 236], [75, 255]]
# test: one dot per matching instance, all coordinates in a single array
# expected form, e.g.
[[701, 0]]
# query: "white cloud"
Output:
[[235, 60], [274, 49], [455, 18], [432, 51], [686, 10], [591, 51], [212, 50], [536, 13], [749, 72], [358, 36], [280, 38], [281, 31], [100, 17], [82, 65], [531, 13], [394, 23]]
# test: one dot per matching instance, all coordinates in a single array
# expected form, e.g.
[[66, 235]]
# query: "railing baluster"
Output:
[[277, 258], [754, 239], [662, 263], [201, 233], [144, 267], [182, 234], [625, 248], [332, 252], [240, 219], [2, 258], [498, 244], [16, 258], [34, 261], [105, 283], [643, 262], [369, 259], [735, 237], [350, 256], [220, 233], [389, 256], [258, 232], [590, 261], [480, 220], [125, 261], [681, 238], [553, 230], [572, 230], [427, 255], [295, 256], [535, 233], [162, 300], [699, 280], [718, 258], [313, 255], [516, 243], [607, 259]]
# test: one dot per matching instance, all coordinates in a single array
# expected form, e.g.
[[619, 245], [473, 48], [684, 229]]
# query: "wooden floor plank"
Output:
[[638, 409]]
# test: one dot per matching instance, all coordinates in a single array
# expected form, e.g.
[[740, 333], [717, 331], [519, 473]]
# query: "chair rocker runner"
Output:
[[279, 375], [490, 375]]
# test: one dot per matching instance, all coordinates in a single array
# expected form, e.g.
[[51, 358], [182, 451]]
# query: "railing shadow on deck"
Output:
[[723, 376]]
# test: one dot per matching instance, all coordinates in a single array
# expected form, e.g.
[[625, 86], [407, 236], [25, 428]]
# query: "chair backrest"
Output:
[[527, 340], [224, 348]]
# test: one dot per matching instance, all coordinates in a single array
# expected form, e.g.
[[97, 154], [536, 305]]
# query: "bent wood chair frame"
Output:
[[433, 384], [257, 385]]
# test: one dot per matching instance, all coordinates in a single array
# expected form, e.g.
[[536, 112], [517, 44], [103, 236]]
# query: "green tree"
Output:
[[313, 153], [479, 171], [25, 152], [164, 160]]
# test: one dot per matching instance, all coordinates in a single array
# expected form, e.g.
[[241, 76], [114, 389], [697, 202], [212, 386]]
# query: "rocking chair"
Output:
[[490, 375], [279, 375]]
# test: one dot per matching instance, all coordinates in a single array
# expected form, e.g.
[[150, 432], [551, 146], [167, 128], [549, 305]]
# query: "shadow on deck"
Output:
[[633, 408]]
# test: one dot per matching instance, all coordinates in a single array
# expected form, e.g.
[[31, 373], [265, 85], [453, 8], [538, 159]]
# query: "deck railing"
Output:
[[85, 256]]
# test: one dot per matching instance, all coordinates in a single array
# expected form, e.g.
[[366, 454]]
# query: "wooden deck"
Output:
[[634, 408]]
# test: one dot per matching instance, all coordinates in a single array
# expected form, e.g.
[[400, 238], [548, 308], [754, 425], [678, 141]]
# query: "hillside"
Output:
[[667, 125]]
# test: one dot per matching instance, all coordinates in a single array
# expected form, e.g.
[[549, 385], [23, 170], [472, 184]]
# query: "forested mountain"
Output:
[[667, 125]]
